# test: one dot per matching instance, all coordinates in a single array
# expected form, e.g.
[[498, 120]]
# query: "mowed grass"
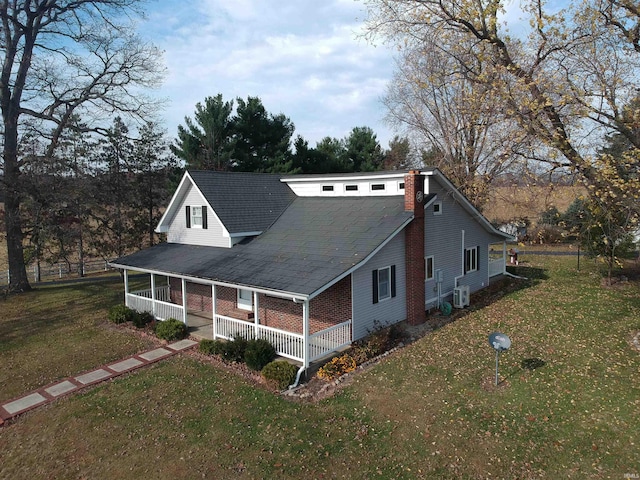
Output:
[[56, 331], [426, 411]]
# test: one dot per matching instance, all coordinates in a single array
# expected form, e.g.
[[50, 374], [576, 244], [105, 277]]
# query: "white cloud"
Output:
[[301, 58]]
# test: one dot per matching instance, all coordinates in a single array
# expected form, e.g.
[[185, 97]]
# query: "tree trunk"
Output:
[[13, 222]]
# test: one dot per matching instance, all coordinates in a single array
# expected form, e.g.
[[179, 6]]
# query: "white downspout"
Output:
[[455, 280], [305, 339]]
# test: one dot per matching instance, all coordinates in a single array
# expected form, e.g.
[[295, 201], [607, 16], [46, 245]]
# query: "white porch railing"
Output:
[[227, 327], [162, 293], [329, 340], [496, 267], [287, 344], [141, 301], [166, 310]]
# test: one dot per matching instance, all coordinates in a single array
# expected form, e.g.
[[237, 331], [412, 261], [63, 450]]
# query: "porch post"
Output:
[[184, 301], [214, 307], [504, 257], [153, 294], [256, 320], [126, 287], [305, 333]]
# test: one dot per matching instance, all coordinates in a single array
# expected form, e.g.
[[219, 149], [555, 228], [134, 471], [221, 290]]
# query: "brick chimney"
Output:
[[414, 247]]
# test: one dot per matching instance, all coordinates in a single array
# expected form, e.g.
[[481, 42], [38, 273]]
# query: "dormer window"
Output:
[[196, 216], [401, 186], [351, 188], [377, 186], [327, 188]]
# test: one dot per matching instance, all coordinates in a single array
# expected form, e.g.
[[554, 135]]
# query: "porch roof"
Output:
[[314, 242]]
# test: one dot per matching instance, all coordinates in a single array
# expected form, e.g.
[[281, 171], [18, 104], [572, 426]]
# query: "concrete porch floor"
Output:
[[199, 326]]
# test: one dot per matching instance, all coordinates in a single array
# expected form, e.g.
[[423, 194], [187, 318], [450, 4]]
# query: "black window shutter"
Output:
[[375, 286], [204, 216], [188, 211], [393, 281]]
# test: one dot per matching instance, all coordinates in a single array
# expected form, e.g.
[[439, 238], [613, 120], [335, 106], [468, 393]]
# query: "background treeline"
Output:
[[96, 196], [242, 136]]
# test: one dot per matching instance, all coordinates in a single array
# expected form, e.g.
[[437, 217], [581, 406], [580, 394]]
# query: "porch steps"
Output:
[[10, 409]]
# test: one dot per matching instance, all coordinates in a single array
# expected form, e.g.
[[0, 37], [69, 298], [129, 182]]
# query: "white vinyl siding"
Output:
[[213, 235]]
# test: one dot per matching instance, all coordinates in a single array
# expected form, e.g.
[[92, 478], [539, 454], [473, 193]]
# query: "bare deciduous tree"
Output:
[[432, 101], [62, 58]]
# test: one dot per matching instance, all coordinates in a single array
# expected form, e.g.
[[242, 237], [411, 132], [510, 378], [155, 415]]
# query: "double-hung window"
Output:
[[384, 283], [196, 216], [471, 259]]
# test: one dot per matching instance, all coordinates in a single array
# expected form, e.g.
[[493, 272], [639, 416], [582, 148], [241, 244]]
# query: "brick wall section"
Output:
[[226, 301], [414, 249], [198, 295], [331, 307]]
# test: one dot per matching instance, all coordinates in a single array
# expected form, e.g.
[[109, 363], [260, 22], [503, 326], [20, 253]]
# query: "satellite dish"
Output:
[[499, 341]]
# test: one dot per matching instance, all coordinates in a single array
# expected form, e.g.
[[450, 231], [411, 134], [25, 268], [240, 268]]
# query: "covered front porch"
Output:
[[219, 311]]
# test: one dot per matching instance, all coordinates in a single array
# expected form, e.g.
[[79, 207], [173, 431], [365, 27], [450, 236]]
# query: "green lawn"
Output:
[[426, 411]]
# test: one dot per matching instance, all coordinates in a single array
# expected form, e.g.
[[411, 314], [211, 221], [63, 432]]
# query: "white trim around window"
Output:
[[196, 216], [471, 259], [429, 267], [437, 208], [384, 283]]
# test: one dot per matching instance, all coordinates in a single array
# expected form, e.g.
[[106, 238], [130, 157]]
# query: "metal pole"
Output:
[[497, 359]]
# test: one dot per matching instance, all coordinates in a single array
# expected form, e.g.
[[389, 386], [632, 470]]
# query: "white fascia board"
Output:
[[163, 225], [341, 177], [467, 205], [363, 262], [202, 281]]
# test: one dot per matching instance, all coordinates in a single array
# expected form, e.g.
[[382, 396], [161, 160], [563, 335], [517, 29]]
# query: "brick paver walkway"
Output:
[[12, 408]]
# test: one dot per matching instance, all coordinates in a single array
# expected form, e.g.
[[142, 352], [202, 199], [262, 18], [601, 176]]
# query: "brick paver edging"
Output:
[[45, 395]]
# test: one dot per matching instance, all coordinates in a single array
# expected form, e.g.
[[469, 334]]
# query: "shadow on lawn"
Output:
[[46, 309]]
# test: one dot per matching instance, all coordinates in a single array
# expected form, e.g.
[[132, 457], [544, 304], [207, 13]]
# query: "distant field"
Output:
[[509, 203]]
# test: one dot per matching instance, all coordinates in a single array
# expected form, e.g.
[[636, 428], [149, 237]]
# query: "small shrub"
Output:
[[279, 374], [337, 367], [258, 353], [171, 329], [141, 320], [207, 347], [233, 350], [121, 314]]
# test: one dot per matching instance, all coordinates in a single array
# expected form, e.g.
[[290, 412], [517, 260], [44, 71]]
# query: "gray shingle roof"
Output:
[[244, 202], [313, 242]]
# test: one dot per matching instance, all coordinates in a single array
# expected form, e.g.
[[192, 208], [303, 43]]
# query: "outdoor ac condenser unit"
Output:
[[461, 296]]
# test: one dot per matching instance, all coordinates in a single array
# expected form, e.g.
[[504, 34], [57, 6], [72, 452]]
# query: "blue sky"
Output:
[[303, 58]]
